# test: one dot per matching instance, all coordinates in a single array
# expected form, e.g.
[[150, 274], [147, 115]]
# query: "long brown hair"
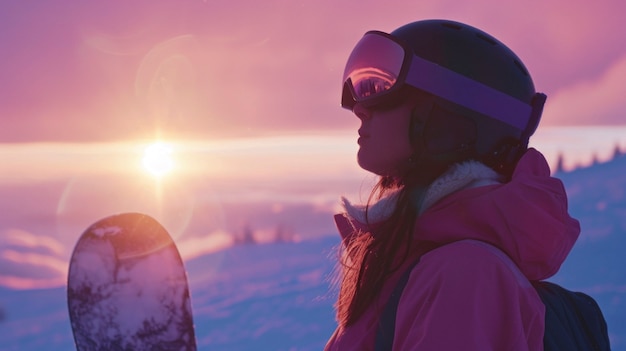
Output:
[[368, 258]]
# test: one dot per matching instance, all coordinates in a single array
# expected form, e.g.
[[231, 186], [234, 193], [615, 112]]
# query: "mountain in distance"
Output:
[[597, 263]]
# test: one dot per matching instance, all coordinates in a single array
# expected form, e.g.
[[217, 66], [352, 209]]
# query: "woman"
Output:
[[446, 112]]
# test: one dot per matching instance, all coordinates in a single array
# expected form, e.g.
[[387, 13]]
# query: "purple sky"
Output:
[[191, 69]]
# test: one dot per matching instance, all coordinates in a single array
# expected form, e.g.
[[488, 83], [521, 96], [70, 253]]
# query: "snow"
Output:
[[278, 296], [256, 297], [104, 231]]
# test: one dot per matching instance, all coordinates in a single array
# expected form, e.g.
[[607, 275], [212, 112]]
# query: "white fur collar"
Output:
[[469, 174]]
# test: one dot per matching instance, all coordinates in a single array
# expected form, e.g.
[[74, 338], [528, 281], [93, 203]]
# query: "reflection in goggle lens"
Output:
[[371, 81]]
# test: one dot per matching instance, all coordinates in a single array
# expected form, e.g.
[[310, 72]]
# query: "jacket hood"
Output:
[[527, 217]]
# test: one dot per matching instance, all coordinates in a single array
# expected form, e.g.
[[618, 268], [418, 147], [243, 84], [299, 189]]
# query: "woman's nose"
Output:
[[361, 112]]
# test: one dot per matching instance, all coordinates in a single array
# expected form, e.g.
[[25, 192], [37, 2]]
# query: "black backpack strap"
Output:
[[387, 322]]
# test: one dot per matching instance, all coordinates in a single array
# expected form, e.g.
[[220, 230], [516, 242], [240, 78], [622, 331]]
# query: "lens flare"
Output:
[[157, 159]]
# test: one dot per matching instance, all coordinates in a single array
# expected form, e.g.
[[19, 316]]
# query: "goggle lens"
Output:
[[372, 68]]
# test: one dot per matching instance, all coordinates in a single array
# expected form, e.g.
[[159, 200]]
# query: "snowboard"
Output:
[[127, 288]]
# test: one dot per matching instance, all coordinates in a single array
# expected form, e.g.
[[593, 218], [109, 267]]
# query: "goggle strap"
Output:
[[445, 83]]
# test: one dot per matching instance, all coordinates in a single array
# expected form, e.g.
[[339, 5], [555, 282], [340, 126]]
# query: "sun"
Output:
[[157, 159]]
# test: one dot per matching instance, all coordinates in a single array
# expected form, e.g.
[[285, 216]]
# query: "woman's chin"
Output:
[[376, 169]]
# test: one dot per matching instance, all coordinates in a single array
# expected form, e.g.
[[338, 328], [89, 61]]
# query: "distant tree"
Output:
[[283, 234], [560, 163], [617, 151], [246, 236], [594, 160]]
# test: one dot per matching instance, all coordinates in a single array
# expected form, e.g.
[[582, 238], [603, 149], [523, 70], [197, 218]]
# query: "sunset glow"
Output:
[[222, 120], [197, 69], [157, 159], [206, 114]]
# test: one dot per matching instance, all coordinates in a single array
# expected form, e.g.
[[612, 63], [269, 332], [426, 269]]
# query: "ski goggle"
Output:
[[380, 65]]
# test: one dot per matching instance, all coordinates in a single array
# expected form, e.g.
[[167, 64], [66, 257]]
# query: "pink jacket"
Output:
[[470, 295]]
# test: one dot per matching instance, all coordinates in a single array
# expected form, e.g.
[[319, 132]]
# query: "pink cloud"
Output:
[[29, 261], [596, 101], [194, 69], [22, 238]]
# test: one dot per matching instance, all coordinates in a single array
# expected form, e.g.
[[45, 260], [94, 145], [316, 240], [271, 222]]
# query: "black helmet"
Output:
[[476, 98]]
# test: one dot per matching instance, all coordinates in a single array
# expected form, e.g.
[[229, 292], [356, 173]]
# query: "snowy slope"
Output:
[[251, 297], [277, 296], [267, 297], [597, 264]]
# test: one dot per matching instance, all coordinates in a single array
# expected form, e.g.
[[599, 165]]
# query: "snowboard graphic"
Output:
[[127, 288]]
